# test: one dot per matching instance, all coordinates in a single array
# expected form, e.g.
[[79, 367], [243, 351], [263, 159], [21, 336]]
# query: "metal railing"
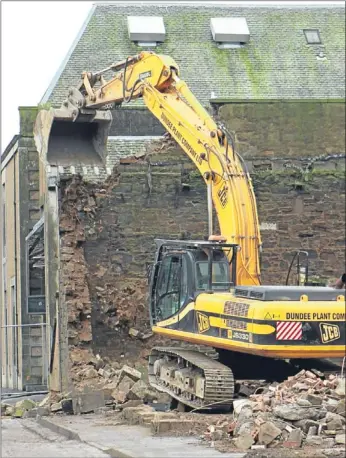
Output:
[[26, 350]]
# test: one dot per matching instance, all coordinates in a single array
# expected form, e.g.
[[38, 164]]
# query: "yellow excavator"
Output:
[[204, 292]]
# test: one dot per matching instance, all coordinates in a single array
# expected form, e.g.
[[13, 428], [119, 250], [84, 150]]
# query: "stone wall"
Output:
[[108, 236], [262, 129], [135, 121], [285, 129]]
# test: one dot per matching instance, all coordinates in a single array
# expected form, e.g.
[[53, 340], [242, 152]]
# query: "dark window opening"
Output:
[[36, 272]]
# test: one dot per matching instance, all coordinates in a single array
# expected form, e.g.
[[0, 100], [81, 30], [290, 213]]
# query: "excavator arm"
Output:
[[155, 79]]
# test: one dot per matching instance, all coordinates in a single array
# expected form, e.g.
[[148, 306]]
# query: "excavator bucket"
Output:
[[66, 136]]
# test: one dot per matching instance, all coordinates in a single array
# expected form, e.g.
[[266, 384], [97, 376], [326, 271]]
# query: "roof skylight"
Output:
[[229, 30], [312, 36], [146, 29]]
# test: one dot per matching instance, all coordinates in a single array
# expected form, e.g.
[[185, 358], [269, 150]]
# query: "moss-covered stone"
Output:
[[27, 116], [26, 404], [18, 412]]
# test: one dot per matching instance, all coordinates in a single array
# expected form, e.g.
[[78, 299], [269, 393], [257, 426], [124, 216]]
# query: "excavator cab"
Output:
[[184, 269]]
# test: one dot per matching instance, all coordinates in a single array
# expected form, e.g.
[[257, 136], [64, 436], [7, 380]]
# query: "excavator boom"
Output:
[[77, 134]]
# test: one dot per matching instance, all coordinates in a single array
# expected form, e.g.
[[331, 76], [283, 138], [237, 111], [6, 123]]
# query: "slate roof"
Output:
[[277, 63]]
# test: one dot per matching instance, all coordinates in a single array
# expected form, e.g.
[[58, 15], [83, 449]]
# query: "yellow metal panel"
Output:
[[273, 351], [179, 316]]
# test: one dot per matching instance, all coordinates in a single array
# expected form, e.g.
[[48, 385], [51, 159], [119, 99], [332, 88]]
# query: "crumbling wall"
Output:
[[107, 236], [108, 230]]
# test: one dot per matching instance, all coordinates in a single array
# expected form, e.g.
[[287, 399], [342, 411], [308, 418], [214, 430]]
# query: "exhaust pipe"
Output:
[[68, 136]]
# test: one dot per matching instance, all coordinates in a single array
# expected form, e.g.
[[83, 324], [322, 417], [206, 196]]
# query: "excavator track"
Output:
[[191, 377]]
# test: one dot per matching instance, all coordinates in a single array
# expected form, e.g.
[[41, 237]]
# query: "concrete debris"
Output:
[[238, 404], [314, 440], [43, 411], [341, 408], [244, 416], [294, 440], [32, 413], [134, 403], [295, 412], [268, 432], [88, 402], [304, 410], [334, 417], [244, 442], [340, 388], [133, 332], [314, 400], [45, 402], [340, 438], [56, 407], [138, 390], [291, 414], [328, 442], [334, 452], [130, 372], [306, 424], [312, 431], [303, 402], [125, 384]]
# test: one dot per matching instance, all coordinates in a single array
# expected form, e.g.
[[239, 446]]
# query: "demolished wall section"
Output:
[[107, 234]]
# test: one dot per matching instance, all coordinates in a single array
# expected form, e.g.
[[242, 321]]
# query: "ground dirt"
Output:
[[286, 453]]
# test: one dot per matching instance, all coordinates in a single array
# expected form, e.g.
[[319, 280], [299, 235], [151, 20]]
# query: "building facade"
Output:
[[23, 329], [279, 89]]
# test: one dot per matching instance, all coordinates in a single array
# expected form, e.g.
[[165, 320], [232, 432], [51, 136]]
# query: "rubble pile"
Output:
[[304, 410], [104, 387], [119, 383]]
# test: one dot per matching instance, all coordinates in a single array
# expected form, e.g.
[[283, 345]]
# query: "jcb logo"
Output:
[[203, 322], [222, 194], [329, 332]]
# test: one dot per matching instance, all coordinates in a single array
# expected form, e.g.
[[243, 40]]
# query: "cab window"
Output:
[[220, 276], [172, 287]]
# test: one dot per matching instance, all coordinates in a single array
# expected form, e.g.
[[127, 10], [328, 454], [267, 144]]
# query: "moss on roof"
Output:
[[277, 63]]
